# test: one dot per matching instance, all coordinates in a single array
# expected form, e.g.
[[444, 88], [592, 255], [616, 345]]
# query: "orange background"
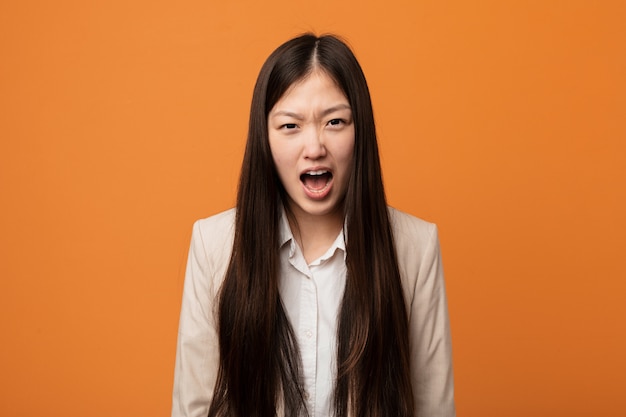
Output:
[[121, 122]]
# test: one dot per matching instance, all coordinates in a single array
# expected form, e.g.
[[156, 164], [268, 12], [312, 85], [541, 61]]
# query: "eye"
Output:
[[289, 126], [335, 122]]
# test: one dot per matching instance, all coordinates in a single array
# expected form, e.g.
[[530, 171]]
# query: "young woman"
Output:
[[312, 297]]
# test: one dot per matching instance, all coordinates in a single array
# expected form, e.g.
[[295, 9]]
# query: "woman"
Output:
[[312, 297]]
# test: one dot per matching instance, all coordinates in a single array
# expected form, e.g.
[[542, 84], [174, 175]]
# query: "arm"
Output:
[[197, 351], [429, 328]]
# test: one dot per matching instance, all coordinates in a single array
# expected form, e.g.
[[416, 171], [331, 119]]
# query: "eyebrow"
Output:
[[300, 117]]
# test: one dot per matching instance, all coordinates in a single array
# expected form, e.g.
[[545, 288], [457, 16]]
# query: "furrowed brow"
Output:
[[287, 114], [335, 108]]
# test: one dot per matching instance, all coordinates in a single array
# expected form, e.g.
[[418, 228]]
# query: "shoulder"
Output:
[[218, 224], [417, 249], [411, 232], [214, 235]]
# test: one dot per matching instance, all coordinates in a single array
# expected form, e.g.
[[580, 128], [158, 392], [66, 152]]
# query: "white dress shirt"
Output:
[[312, 294]]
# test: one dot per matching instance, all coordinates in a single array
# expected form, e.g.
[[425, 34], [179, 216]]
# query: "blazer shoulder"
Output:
[[216, 234], [410, 231], [417, 251], [220, 222]]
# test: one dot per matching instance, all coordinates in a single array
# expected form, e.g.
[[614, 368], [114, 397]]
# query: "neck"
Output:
[[315, 233]]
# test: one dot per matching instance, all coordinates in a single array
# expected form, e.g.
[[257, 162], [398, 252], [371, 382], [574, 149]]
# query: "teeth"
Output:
[[320, 172]]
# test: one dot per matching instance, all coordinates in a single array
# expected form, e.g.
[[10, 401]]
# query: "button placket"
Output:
[[307, 338]]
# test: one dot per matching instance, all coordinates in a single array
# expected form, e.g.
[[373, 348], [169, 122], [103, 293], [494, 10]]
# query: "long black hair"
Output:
[[260, 365]]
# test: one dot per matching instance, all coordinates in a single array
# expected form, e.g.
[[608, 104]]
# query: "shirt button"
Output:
[[308, 334]]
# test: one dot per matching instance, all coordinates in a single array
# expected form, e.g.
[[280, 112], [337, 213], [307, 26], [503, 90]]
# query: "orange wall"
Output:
[[123, 121]]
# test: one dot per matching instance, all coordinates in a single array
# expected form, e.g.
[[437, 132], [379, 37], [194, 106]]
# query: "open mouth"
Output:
[[316, 181]]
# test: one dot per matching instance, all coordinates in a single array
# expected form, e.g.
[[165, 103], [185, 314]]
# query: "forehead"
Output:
[[315, 88]]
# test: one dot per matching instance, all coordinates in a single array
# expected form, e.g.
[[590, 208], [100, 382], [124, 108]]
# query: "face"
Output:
[[311, 136]]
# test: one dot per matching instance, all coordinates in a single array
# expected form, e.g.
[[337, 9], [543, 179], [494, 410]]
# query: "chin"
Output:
[[321, 208]]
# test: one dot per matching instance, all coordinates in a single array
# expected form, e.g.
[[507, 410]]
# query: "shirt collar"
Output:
[[284, 231], [285, 235]]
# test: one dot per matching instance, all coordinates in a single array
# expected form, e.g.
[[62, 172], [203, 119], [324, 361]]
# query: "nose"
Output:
[[314, 145]]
